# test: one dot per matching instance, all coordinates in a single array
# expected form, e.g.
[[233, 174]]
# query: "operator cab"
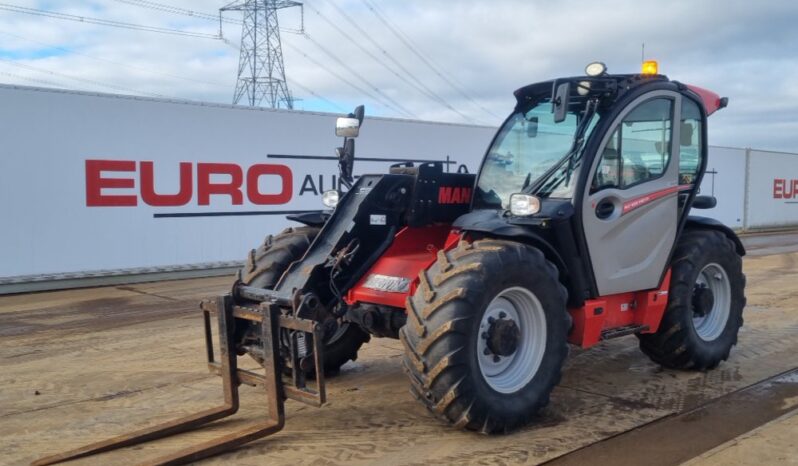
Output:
[[603, 168]]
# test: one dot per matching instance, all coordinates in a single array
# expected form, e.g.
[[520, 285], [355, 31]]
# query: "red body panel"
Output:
[[711, 100], [412, 250], [416, 249], [619, 310]]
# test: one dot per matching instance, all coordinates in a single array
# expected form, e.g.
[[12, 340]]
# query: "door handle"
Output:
[[604, 209]]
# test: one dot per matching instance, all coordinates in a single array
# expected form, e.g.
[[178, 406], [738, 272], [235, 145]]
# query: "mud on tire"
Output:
[[443, 327], [678, 344], [266, 264]]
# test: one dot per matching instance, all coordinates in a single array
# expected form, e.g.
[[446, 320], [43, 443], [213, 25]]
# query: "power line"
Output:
[[368, 37], [176, 10], [337, 75], [66, 86], [390, 57], [427, 93], [311, 92], [397, 30], [210, 17], [393, 103], [126, 65], [408, 43], [180, 11], [36, 80], [194, 14], [104, 22], [83, 80]]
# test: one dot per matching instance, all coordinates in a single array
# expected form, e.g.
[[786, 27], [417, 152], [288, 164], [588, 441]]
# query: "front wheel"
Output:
[[486, 335], [266, 264], [705, 304]]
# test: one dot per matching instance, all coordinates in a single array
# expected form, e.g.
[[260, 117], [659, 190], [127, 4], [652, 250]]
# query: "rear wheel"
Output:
[[486, 335], [705, 304], [266, 264]]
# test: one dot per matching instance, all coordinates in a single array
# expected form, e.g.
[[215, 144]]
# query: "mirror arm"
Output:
[[346, 154]]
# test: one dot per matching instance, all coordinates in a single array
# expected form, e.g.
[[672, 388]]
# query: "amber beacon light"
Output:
[[650, 67]]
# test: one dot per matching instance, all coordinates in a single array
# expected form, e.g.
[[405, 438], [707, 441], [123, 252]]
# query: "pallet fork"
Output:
[[271, 320]]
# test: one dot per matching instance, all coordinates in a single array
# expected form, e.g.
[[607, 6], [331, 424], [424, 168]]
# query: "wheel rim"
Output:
[[508, 374], [711, 325]]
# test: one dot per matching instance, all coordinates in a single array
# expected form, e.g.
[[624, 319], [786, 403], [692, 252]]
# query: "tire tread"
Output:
[[439, 316]]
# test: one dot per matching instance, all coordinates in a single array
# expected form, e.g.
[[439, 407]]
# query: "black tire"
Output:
[[443, 327], [677, 343], [266, 264]]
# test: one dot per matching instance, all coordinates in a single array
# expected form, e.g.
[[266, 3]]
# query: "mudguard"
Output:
[[492, 223], [695, 222]]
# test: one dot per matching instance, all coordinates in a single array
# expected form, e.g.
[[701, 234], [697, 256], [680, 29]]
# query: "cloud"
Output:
[[486, 49]]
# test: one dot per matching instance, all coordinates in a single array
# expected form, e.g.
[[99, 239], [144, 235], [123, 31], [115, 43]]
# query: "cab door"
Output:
[[630, 206]]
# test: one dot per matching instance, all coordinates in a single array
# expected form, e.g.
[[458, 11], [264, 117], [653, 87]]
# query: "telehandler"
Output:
[[576, 229]]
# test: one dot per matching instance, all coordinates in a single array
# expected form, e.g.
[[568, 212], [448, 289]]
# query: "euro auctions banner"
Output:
[[772, 200], [98, 182]]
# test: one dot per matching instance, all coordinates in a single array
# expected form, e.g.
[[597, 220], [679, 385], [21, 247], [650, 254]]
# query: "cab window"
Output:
[[689, 142], [639, 148]]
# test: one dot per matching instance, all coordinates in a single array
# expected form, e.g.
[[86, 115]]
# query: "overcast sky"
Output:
[[480, 52]]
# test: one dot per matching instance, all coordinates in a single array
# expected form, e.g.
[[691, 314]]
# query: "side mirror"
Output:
[[347, 127], [704, 202], [532, 127], [359, 113], [560, 103]]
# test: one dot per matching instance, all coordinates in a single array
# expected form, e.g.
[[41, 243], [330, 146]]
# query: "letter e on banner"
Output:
[[778, 188], [95, 182]]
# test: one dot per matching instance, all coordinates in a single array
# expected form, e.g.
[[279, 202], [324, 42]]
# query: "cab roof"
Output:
[[615, 85]]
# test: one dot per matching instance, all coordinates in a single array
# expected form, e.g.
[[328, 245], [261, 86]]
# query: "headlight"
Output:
[[330, 198], [583, 88], [524, 204]]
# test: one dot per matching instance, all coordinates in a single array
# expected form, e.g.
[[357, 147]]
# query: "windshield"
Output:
[[529, 145]]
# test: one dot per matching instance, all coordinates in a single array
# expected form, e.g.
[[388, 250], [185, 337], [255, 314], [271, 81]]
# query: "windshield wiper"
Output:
[[576, 146], [579, 138]]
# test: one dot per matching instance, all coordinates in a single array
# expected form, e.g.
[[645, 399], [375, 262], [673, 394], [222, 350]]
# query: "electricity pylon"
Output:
[[261, 73]]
